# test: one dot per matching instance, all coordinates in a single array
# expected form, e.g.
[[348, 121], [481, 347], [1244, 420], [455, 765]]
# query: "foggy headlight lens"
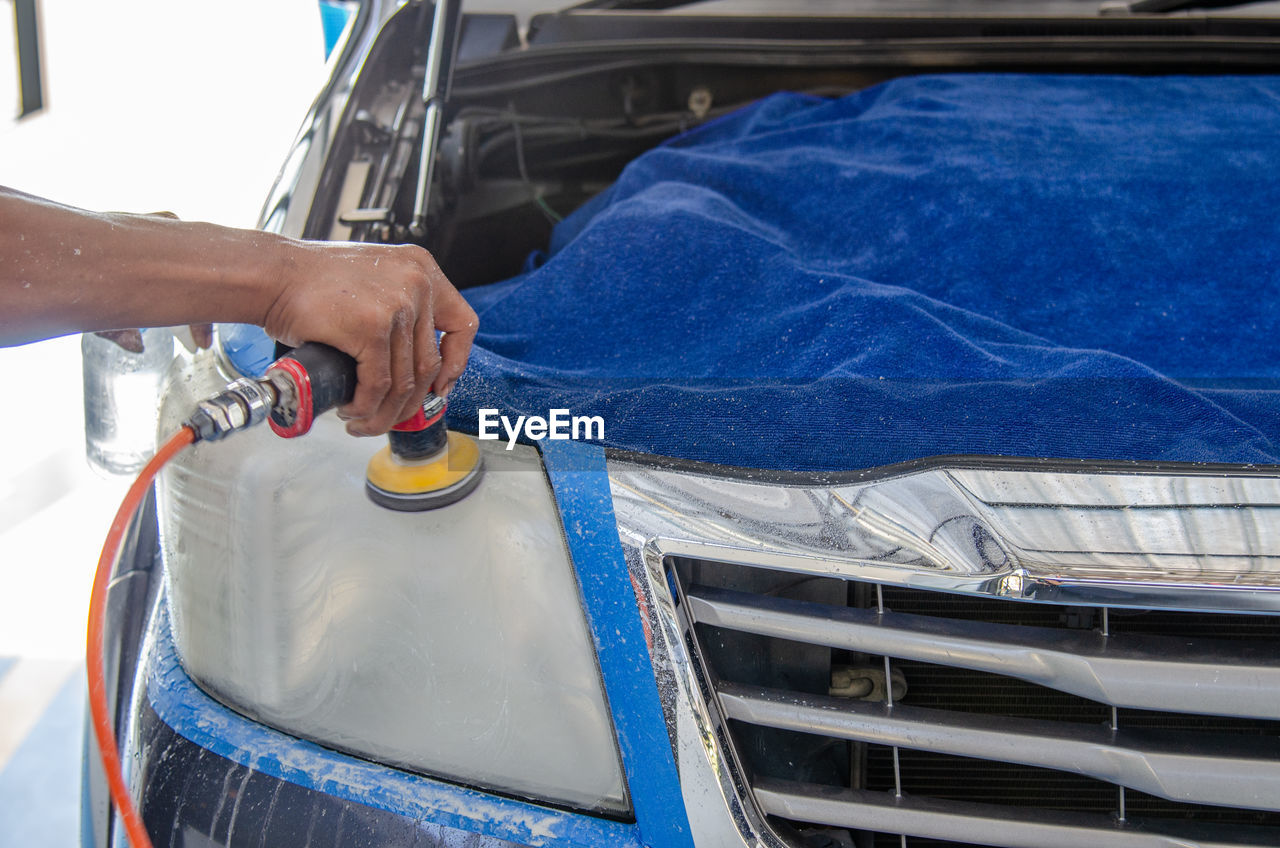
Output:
[[449, 642]]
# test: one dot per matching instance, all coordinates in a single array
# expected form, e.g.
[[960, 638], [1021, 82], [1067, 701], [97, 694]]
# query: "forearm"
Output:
[[66, 270]]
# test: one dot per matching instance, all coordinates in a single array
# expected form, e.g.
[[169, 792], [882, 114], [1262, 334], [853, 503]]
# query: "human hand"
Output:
[[382, 304]]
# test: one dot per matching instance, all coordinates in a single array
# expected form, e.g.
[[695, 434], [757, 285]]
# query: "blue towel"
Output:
[[1047, 266]]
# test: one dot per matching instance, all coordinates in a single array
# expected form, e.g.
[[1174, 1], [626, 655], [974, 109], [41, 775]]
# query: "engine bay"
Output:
[[536, 127]]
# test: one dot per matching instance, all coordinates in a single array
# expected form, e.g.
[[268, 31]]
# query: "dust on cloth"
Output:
[[1049, 266]]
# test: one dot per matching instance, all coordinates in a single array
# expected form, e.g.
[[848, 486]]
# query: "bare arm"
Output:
[[66, 270]]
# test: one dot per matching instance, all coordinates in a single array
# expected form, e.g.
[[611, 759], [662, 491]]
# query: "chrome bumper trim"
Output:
[[1181, 539]]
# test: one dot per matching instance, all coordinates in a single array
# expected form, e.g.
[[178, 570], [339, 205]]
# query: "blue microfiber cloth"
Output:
[[1049, 266]]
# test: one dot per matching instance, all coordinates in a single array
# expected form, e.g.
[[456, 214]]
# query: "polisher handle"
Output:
[[323, 377]]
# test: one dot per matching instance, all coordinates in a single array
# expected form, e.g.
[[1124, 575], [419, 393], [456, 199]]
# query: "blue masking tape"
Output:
[[581, 485]]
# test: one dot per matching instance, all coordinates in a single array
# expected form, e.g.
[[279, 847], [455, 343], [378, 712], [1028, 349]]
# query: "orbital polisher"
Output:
[[423, 466]]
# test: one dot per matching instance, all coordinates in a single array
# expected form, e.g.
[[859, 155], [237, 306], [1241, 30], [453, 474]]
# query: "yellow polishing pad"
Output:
[[452, 470]]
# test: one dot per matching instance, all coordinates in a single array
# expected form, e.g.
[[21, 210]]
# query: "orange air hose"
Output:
[[102, 726]]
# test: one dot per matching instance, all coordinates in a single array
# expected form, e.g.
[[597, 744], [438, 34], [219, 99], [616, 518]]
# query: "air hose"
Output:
[[94, 656]]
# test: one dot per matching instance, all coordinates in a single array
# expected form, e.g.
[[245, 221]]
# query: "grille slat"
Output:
[[1136, 671], [984, 824], [1187, 767]]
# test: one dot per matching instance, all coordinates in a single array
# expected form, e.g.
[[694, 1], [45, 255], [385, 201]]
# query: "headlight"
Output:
[[449, 642]]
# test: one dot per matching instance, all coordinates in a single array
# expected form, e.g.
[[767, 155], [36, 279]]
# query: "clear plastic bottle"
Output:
[[122, 399]]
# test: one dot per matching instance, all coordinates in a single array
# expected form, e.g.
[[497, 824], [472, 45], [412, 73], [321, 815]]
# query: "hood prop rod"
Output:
[[446, 25]]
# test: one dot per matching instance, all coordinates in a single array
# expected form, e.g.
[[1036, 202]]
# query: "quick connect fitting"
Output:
[[240, 405]]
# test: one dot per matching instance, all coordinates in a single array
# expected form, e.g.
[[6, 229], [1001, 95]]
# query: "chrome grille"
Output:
[[1020, 724]]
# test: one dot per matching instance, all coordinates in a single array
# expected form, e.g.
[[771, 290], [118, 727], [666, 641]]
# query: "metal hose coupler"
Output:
[[240, 405]]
